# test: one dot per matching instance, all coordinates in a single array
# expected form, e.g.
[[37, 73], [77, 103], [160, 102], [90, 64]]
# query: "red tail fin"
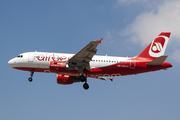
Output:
[[157, 47]]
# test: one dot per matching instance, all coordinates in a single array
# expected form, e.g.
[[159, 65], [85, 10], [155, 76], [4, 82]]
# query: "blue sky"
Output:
[[127, 27]]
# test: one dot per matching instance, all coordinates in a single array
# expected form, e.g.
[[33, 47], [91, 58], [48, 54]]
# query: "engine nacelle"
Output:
[[57, 67], [64, 79]]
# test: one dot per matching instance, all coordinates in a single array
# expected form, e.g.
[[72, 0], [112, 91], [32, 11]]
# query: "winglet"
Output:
[[112, 79], [100, 40]]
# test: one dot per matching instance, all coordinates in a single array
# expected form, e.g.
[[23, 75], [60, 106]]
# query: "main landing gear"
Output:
[[85, 86], [30, 78], [82, 78]]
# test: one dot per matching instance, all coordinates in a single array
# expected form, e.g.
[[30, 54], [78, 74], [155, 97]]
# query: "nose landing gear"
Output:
[[30, 78]]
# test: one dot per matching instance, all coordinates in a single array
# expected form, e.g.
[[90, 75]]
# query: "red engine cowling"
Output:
[[64, 79], [57, 67]]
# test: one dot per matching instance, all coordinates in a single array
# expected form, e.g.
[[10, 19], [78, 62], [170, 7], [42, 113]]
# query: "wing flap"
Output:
[[104, 78]]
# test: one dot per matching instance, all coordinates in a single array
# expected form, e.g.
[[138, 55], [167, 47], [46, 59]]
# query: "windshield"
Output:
[[20, 56]]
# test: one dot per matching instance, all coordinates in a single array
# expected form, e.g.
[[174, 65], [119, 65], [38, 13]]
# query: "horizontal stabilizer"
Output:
[[158, 61]]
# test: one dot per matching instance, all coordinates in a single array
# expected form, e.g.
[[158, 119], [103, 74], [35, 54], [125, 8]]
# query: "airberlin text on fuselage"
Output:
[[52, 57]]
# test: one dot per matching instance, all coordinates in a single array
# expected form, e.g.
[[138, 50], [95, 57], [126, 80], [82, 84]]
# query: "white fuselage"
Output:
[[42, 60]]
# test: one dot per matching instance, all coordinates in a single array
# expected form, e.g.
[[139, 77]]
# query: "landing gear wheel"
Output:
[[30, 79], [82, 78], [86, 86]]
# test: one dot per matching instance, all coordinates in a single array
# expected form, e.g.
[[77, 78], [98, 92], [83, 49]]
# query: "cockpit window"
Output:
[[20, 56]]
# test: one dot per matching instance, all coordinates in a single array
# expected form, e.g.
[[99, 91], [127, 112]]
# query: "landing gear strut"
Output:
[[30, 78], [82, 78]]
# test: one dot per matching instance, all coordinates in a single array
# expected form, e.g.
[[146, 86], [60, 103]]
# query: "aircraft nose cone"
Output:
[[11, 62]]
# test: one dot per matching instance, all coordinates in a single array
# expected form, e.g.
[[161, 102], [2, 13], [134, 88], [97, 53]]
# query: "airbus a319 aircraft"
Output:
[[71, 68]]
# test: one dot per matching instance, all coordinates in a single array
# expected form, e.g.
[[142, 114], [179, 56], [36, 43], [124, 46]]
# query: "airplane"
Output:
[[71, 68]]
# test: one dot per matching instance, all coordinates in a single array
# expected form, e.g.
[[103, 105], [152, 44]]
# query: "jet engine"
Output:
[[64, 79]]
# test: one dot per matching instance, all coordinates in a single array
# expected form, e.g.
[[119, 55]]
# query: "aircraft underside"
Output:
[[105, 71]]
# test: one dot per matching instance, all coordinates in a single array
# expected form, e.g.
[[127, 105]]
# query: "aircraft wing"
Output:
[[84, 56]]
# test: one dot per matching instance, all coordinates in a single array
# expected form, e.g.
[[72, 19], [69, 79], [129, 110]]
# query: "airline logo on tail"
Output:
[[158, 46]]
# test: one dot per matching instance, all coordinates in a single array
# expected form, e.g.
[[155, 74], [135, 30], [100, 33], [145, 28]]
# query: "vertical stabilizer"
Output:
[[157, 47]]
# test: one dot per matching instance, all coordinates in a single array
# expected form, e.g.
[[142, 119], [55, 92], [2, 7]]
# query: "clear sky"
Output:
[[127, 27]]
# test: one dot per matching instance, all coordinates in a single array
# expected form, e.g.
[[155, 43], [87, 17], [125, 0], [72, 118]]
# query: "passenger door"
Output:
[[31, 57]]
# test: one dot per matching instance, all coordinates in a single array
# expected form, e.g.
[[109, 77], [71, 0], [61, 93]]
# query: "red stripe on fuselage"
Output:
[[118, 69]]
